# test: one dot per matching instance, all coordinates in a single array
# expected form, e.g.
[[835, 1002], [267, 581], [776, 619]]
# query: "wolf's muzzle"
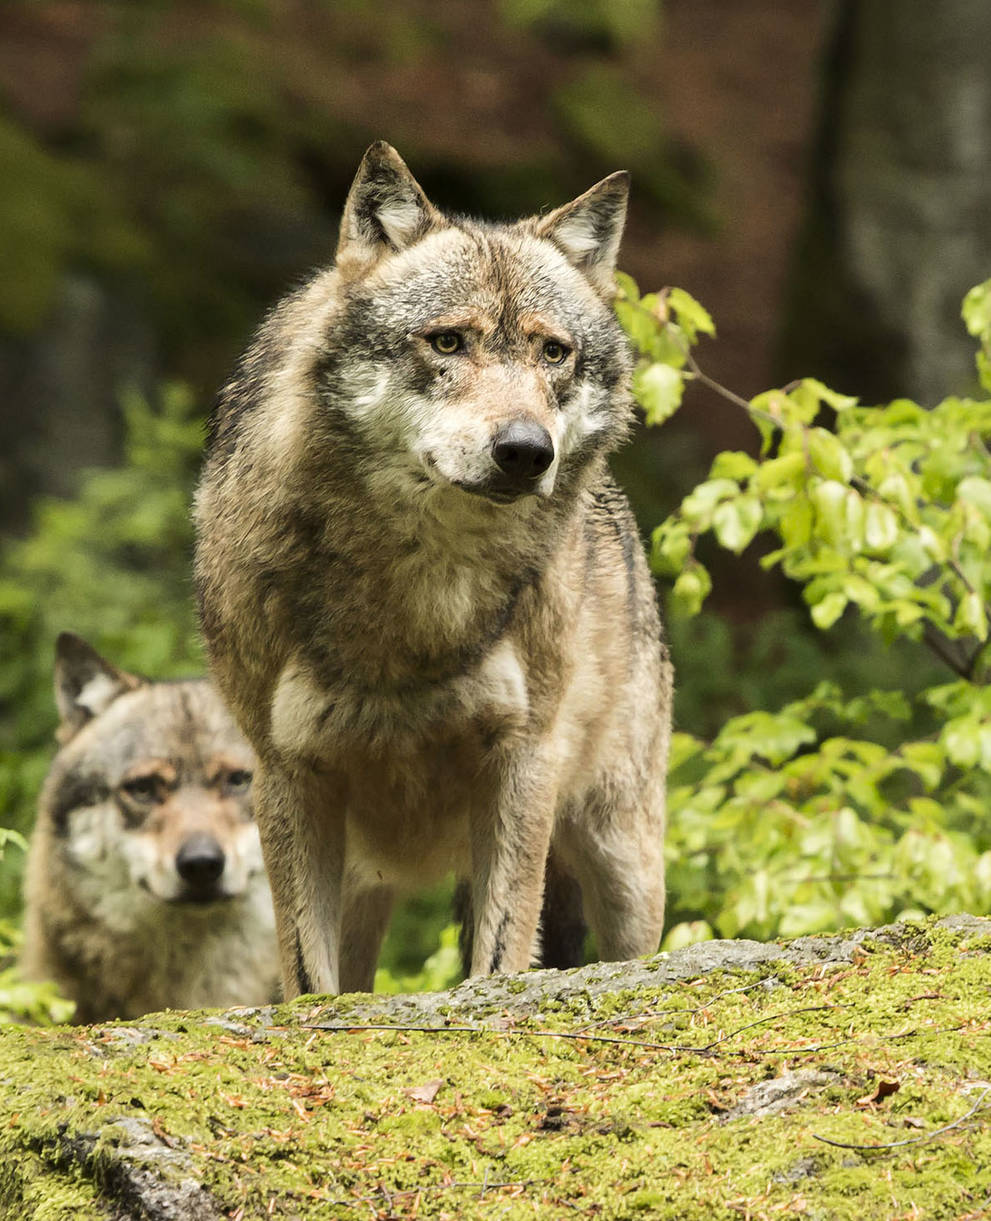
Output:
[[200, 863], [523, 451]]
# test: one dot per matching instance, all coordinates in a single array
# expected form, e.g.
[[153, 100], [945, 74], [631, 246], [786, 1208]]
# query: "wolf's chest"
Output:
[[337, 721]]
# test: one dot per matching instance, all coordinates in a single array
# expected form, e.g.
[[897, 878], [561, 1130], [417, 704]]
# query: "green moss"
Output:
[[285, 1118], [28, 1189]]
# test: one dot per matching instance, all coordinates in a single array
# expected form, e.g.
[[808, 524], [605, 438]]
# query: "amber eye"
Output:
[[555, 353], [447, 342], [238, 781], [145, 789]]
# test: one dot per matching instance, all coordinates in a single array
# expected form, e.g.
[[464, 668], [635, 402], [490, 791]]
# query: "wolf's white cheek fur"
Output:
[[105, 864], [582, 419], [367, 387]]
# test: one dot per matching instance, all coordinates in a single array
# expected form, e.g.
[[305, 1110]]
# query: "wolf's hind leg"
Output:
[[366, 917], [303, 844], [619, 864], [562, 922], [561, 940]]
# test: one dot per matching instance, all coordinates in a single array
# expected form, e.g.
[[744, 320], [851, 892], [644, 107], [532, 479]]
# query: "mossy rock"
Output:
[[832, 1077]]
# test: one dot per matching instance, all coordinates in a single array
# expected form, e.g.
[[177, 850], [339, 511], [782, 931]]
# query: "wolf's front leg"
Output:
[[301, 823], [511, 826], [365, 919]]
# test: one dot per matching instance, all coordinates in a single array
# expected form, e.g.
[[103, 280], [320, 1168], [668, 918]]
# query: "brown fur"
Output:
[[145, 888], [444, 660]]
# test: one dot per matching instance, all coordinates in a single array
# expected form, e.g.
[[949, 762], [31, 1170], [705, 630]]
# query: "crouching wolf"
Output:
[[145, 886], [423, 597]]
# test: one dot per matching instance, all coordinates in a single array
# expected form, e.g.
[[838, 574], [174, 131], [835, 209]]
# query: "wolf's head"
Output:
[[473, 356], [149, 798]]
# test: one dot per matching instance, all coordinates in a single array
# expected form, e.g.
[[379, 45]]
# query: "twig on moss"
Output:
[[342, 1027], [575, 1035], [912, 1140]]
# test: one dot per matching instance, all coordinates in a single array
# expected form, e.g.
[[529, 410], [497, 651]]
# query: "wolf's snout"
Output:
[[200, 862], [523, 450]]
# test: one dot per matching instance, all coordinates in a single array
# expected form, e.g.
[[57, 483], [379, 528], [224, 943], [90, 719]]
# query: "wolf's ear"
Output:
[[386, 208], [589, 229], [85, 684]]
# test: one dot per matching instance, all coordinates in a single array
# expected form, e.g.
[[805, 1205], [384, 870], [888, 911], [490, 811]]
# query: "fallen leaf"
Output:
[[426, 1092], [884, 1088]]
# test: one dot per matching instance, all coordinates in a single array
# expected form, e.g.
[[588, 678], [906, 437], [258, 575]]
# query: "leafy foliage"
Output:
[[808, 818], [442, 968]]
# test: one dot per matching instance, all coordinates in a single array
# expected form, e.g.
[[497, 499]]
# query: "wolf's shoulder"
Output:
[[248, 383]]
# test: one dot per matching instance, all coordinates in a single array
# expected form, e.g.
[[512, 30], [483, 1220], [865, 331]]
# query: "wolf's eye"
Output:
[[447, 342], [237, 781], [142, 788], [555, 353]]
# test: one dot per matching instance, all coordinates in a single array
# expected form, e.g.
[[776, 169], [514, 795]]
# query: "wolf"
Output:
[[145, 886], [422, 595]]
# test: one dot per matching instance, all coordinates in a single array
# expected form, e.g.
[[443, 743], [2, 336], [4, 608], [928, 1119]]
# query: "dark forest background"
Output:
[[816, 172]]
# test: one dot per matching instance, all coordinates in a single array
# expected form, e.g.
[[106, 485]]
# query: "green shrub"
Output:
[[835, 811]]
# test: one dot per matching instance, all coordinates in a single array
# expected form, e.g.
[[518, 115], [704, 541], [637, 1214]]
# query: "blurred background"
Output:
[[816, 172]]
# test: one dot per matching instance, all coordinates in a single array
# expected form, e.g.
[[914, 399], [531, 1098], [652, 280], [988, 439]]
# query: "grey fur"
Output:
[[109, 915], [443, 660]]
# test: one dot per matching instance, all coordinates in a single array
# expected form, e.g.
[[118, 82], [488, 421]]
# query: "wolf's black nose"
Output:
[[200, 861], [523, 450]]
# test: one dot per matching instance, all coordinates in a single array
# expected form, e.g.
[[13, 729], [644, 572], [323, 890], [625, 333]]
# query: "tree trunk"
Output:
[[899, 222]]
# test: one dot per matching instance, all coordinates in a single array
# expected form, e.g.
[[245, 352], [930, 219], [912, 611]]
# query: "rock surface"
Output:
[[830, 1077]]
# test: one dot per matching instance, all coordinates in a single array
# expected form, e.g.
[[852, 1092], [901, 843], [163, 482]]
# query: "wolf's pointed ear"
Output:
[[386, 208], [589, 229], [85, 684]]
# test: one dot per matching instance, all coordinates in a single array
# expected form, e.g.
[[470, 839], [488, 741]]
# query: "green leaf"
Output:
[[735, 522], [984, 369], [828, 498], [795, 525], [698, 505], [690, 590], [829, 609], [627, 286], [828, 455], [658, 389], [839, 402], [960, 738], [692, 317], [880, 526], [639, 325], [789, 471], [971, 618], [926, 759], [687, 933], [976, 491], [671, 544], [732, 464], [976, 310]]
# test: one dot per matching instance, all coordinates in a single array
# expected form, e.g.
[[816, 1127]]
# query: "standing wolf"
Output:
[[423, 597], [145, 885]]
